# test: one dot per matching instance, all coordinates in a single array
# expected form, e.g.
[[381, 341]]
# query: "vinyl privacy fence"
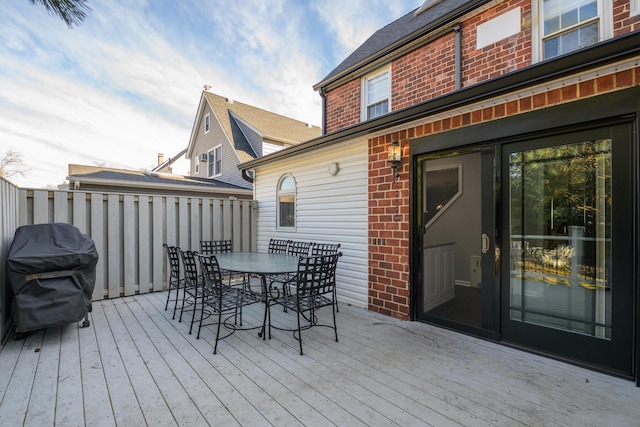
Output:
[[130, 229]]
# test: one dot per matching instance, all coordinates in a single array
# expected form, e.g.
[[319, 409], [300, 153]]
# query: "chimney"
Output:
[[160, 159]]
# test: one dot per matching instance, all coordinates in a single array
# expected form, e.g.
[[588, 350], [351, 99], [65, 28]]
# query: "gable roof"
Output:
[[404, 30], [272, 126]]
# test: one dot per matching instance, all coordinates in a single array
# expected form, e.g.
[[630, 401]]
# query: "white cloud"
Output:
[[125, 85]]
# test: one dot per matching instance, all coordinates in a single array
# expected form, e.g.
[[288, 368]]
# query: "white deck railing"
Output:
[[128, 230]]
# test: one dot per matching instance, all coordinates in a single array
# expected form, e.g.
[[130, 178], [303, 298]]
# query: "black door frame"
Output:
[[623, 105]]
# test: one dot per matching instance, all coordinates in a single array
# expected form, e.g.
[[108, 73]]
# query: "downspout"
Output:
[[458, 60], [246, 176], [324, 113]]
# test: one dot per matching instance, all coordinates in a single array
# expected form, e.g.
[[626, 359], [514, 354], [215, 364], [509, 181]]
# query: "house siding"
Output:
[[389, 236], [329, 209], [254, 138], [206, 141], [428, 71]]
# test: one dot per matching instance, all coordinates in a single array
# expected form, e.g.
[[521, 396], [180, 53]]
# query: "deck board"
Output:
[[136, 366]]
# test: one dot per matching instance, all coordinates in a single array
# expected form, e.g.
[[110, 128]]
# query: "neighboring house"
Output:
[[226, 133], [513, 214], [99, 179]]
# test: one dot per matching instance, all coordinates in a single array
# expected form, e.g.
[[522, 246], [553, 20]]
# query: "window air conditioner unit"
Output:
[[204, 157]]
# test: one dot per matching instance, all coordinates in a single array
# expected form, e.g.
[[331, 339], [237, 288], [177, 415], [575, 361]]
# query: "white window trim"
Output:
[[634, 9], [209, 155], [295, 202], [196, 169], [605, 16], [363, 90], [207, 118]]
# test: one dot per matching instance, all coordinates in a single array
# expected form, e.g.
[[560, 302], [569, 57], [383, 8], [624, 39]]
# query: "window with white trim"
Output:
[[635, 8], [207, 123], [376, 94], [196, 169], [568, 25], [214, 163], [286, 202]]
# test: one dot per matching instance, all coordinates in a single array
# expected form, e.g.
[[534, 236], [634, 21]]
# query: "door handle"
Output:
[[485, 243]]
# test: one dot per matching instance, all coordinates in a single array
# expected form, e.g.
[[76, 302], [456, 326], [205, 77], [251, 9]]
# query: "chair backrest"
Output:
[[317, 274], [210, 270], [318, 249], [208, 247], [190, 266], [299, 248], [174, 261], [277, 246]]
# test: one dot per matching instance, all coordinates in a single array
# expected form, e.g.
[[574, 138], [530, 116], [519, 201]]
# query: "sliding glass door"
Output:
[[567, 238]]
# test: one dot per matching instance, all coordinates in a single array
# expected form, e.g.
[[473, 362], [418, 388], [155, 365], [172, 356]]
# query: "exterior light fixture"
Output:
[[395, 158]]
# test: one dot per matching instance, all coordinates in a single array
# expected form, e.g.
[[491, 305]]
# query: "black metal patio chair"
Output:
[[219, 299], [294, 248], [175, 283], [318, 249], [193, 285], [314, 289], [208, 247], [212, 247], [278, 246]]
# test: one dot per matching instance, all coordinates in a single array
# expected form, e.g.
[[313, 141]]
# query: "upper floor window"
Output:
[[207, 123], [197, 165], [286, 202], [215, 161], [635, 8], [568, 25], [376, 94]]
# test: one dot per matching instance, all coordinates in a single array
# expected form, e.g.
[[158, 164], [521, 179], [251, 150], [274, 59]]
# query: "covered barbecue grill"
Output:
[[51, 270]]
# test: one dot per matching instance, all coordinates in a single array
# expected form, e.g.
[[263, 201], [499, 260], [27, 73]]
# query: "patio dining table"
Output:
[[261, 264]]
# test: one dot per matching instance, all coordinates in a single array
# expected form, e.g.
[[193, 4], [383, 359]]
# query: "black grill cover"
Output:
[[52, 274]]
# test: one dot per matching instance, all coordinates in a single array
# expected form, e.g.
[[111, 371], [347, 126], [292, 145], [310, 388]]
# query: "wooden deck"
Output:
[[135, 366]]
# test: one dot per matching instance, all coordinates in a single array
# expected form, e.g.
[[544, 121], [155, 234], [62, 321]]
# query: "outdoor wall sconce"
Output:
[[395, 158]]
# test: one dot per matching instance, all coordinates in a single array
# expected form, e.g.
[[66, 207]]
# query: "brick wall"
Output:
[[623, 22], [343, 106], [504, 56], [428, 71], [389, 234], [424, 73]]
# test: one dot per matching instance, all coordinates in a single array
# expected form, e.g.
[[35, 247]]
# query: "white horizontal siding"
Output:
[[329, 209]]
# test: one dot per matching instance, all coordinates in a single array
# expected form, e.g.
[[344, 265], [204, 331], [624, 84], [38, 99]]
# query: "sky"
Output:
[[125, 84]]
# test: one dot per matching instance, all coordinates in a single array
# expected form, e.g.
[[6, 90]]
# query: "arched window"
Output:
[[287, 202]]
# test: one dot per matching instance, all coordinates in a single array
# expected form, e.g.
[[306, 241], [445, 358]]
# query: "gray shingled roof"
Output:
[[404, 29], [146, 177], [272, 126]]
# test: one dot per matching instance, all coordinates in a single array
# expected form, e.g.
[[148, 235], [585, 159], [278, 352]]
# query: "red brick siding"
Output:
[[504, 56], [424, 73], [389, 234], [623, 23], [343, 106], [428, 71]]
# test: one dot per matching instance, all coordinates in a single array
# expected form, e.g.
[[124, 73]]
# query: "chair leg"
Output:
[[175, 304], [168, 295], [299, 333], [215, 346], [335, 326]]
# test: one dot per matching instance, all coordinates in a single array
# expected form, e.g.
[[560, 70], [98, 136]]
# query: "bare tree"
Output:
[[72, 12], [11, 164]]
